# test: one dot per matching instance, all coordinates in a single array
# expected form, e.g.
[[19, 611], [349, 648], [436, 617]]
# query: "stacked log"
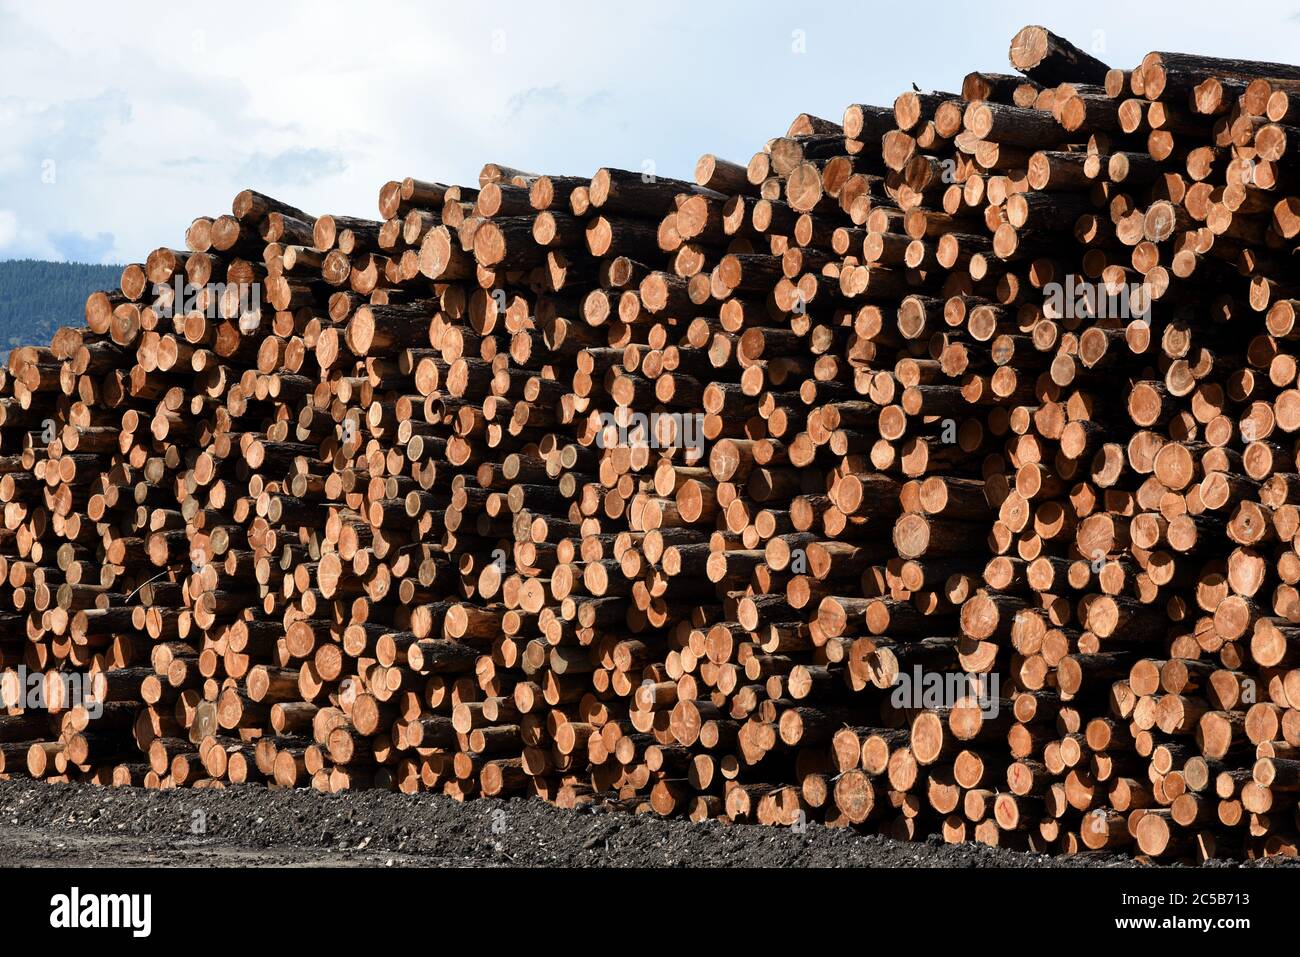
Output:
[[929, 473]]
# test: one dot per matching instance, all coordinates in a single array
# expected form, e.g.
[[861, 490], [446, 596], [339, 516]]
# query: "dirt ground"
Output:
[[84, 825]]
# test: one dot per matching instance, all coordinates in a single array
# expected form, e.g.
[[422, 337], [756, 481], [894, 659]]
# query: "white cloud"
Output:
[[8, 228]]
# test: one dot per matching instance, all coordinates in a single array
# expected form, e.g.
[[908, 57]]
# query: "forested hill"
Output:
[[37, 297]]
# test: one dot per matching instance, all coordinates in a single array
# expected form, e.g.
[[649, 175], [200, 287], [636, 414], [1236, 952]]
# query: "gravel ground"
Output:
[[84, 825]]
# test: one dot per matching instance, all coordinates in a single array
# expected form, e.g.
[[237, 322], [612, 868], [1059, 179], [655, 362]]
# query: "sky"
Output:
[[120, 122]]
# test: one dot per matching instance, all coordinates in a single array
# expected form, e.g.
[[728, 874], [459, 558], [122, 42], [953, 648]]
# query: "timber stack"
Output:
[[933, 471]]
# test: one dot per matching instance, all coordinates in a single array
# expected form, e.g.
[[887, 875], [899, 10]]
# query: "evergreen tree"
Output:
[[37, 298]]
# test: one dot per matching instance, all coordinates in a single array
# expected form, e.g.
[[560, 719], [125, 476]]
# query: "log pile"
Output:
[[932, 472]]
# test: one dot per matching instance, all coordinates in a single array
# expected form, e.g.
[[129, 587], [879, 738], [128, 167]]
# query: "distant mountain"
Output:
[[37, 297]]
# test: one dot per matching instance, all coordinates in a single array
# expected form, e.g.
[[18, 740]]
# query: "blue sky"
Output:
[[114, 134]]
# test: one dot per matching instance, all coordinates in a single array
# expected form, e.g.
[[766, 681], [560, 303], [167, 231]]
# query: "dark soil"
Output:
[[85, 825]]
